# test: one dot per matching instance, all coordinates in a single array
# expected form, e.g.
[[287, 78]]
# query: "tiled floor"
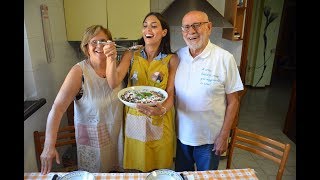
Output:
[[263, 111]]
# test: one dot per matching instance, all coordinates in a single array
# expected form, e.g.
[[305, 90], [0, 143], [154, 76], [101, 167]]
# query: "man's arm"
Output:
[[220, 144]]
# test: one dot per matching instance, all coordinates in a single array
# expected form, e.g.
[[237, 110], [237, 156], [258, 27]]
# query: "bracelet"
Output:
[[165, 111]]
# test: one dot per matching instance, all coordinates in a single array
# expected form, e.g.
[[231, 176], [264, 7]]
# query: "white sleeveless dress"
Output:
[[98, 120]]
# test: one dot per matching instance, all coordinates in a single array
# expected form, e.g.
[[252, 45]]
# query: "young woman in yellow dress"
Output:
[[149, 131]]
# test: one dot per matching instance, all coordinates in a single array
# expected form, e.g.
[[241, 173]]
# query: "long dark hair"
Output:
[[165, 41]]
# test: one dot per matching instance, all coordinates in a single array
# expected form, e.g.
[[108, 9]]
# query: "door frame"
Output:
[[245, 41]]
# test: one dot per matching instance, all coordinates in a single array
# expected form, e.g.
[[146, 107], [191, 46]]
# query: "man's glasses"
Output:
[[195, 26]]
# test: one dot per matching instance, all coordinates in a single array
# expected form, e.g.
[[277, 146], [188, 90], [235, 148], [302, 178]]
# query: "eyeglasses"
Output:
[[195, 26], [95, 43]]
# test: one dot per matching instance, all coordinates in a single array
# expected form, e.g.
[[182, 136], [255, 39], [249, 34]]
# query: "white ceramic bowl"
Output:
[[142, 88], [164, 174], [78, 175]]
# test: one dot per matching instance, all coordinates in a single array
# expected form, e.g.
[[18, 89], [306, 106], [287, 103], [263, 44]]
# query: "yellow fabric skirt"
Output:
[[149, 142]]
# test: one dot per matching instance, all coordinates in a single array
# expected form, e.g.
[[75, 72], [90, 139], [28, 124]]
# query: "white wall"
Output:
[[42, 79], [218, 5], [29, 84]]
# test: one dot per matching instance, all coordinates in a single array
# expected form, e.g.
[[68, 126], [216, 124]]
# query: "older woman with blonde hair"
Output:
[[97, 110]]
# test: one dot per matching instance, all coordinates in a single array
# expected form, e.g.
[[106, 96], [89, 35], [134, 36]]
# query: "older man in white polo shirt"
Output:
[[206, 84]]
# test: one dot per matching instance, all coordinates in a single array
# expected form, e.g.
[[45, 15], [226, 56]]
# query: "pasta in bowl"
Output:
[[147, 95]]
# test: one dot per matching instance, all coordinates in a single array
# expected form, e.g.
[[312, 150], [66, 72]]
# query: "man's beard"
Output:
[[194, 45]]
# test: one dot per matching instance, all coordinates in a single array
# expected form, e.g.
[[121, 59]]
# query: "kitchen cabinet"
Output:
[[125, 17], [80, 14], [122, 17], [235, 13]]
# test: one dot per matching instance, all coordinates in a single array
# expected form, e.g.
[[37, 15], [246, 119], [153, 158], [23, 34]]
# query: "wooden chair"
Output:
[[70, 114], [236, 120], [66, 140], [241, 95], [260, 145]]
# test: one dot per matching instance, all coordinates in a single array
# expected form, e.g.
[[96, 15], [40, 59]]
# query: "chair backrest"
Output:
[[70, 114], [260, 145], [65, 137], [236, 120]]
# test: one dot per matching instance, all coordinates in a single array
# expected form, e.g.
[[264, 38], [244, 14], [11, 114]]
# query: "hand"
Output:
[[220, 145], [157, 110], [46, 157], [110, 50]]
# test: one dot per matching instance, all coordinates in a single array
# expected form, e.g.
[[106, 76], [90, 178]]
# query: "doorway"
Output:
[[284, 68]]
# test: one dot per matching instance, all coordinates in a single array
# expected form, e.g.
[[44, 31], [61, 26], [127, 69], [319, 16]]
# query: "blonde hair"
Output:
[[89, 33]]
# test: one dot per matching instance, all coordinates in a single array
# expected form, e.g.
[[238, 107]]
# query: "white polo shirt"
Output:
[[201, 85]]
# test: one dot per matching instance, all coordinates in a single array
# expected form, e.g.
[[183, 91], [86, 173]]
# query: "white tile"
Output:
[[218, 5], [30, 91], [271, 168], [263, 111], [32, 17], [244, 160], [286, 177], [27, 58], [222, 164], [176, 38], [163, 4], [37, 51], [234, 47], [260, 173], [292, 170], [154, 5]]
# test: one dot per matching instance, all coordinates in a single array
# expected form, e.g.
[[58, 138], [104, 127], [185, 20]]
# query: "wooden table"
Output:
[[240, 174]]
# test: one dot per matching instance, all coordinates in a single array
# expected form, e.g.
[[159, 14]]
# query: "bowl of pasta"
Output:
[[147, 95]]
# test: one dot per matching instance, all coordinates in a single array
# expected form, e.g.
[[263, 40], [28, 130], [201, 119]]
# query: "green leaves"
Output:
[[144, 94]]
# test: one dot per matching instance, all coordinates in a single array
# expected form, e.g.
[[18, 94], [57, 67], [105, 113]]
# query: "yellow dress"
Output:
[[149, 141]]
